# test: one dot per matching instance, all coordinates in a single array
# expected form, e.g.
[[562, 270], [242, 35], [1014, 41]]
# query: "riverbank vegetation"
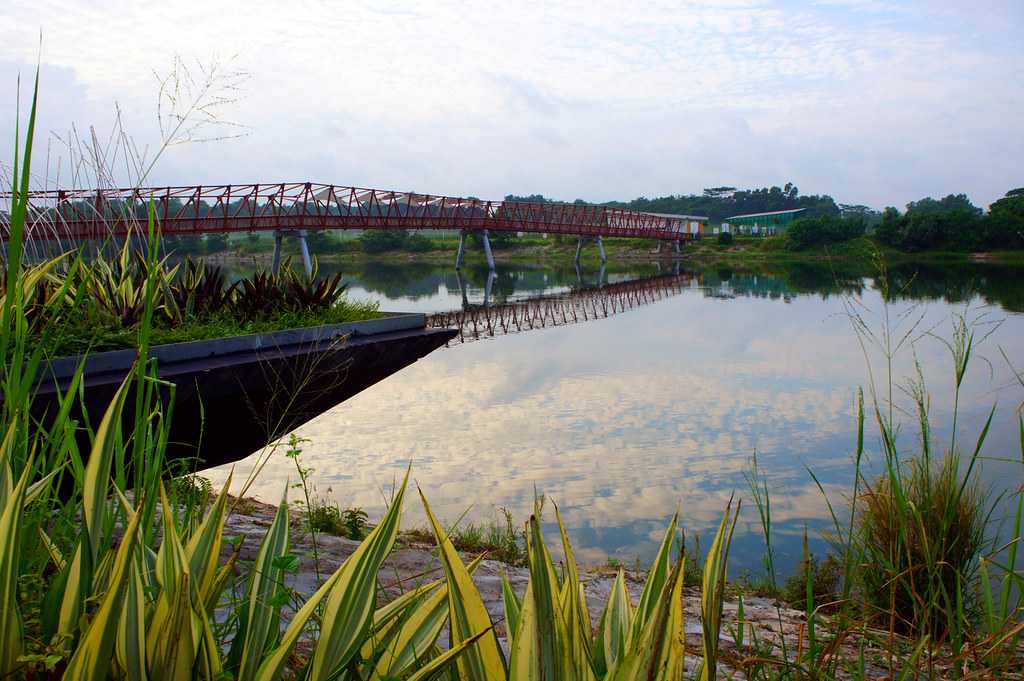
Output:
[[954, 223]]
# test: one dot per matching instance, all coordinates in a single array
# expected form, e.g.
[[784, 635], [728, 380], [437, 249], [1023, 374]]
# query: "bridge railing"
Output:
[[91, 213]]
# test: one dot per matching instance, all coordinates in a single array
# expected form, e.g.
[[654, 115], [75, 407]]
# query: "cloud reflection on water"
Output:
[[623, 420]]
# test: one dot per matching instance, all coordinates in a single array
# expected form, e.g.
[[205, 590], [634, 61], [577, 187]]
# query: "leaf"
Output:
[[440, 663], [613, 629], [713, 590], [573, 604], [351, 594], [94, 508], [11, 633], [203, 548], [656, 576], [467, 612], [512, 606], [262, 615], [659, 652], [407, 628], [131, 634], [348, 613], [92, 657]]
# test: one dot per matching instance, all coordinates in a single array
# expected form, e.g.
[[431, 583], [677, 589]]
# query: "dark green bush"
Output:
[[808, 232], [383, 240], [330, 519], [216, 243], [725, 239], [953, 223], [417, 243]]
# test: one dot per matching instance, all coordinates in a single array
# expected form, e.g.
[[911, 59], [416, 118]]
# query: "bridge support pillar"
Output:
[[600, 249], [487, 249], [275, 266], [462, 289], [579, 249], [462, 249], [306, 261], [676, 242], [491, 276]]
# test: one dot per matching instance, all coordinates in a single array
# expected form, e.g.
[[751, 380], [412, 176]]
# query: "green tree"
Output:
[[217, 242], [383, 240]]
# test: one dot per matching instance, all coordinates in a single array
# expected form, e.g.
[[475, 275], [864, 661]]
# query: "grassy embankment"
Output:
[[706, 250]]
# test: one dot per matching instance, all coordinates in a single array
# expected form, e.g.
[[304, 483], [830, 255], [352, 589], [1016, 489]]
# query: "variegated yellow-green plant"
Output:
[[549, 629]]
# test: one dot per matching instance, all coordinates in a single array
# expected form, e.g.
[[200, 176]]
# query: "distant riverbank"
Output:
[[706, 250]]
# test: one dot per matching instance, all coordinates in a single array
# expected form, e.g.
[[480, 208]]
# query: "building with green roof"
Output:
[[761, 224]]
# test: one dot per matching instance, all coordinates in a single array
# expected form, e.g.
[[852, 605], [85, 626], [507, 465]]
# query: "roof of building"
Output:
[[759, 215], [675, 215]]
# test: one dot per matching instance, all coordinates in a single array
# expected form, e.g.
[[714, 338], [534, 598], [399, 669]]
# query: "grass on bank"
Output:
[[99, 304], [82, 339], [428, 246]]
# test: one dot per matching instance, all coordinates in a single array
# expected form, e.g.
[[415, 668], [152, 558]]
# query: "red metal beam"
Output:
[[91, 214]]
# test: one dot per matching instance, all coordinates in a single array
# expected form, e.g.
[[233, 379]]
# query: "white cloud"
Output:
[[872, 103]]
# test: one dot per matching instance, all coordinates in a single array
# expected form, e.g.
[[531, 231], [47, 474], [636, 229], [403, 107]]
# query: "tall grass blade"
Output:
[[11, 633], [93, 656]]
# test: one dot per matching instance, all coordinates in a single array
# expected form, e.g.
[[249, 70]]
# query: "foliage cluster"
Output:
[[807, 232], [499, 539], [953, 223], [100, 302]]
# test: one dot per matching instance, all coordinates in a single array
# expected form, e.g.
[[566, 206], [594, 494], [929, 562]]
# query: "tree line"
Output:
[[719, 203], [954, 223]]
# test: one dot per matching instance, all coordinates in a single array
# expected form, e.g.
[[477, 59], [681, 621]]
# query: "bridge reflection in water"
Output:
[[475, 322]]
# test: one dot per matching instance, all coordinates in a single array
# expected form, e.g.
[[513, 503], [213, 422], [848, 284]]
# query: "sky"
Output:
[[871, 101]]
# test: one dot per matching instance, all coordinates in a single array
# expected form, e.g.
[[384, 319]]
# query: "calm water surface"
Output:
[[624, 420]]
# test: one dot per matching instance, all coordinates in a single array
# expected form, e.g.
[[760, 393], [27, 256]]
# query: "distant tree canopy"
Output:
[[719, 203], [954, 223]]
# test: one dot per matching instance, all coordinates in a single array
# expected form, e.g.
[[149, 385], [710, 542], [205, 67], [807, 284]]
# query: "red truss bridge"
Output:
[[294, 208]]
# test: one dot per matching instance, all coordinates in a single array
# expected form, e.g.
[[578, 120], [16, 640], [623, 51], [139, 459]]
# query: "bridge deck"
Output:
[[90, 214]]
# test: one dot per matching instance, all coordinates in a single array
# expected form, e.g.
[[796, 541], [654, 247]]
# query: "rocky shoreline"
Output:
[[413, 562]]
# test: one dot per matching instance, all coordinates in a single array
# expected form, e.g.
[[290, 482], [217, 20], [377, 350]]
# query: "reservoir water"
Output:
[[626, 418]]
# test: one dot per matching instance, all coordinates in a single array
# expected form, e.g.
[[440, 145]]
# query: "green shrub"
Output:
[[953, 223], [417, 243], [725, 239], [383, 240], [355, 522], [822, 230], [216, 243], [920, 532]]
